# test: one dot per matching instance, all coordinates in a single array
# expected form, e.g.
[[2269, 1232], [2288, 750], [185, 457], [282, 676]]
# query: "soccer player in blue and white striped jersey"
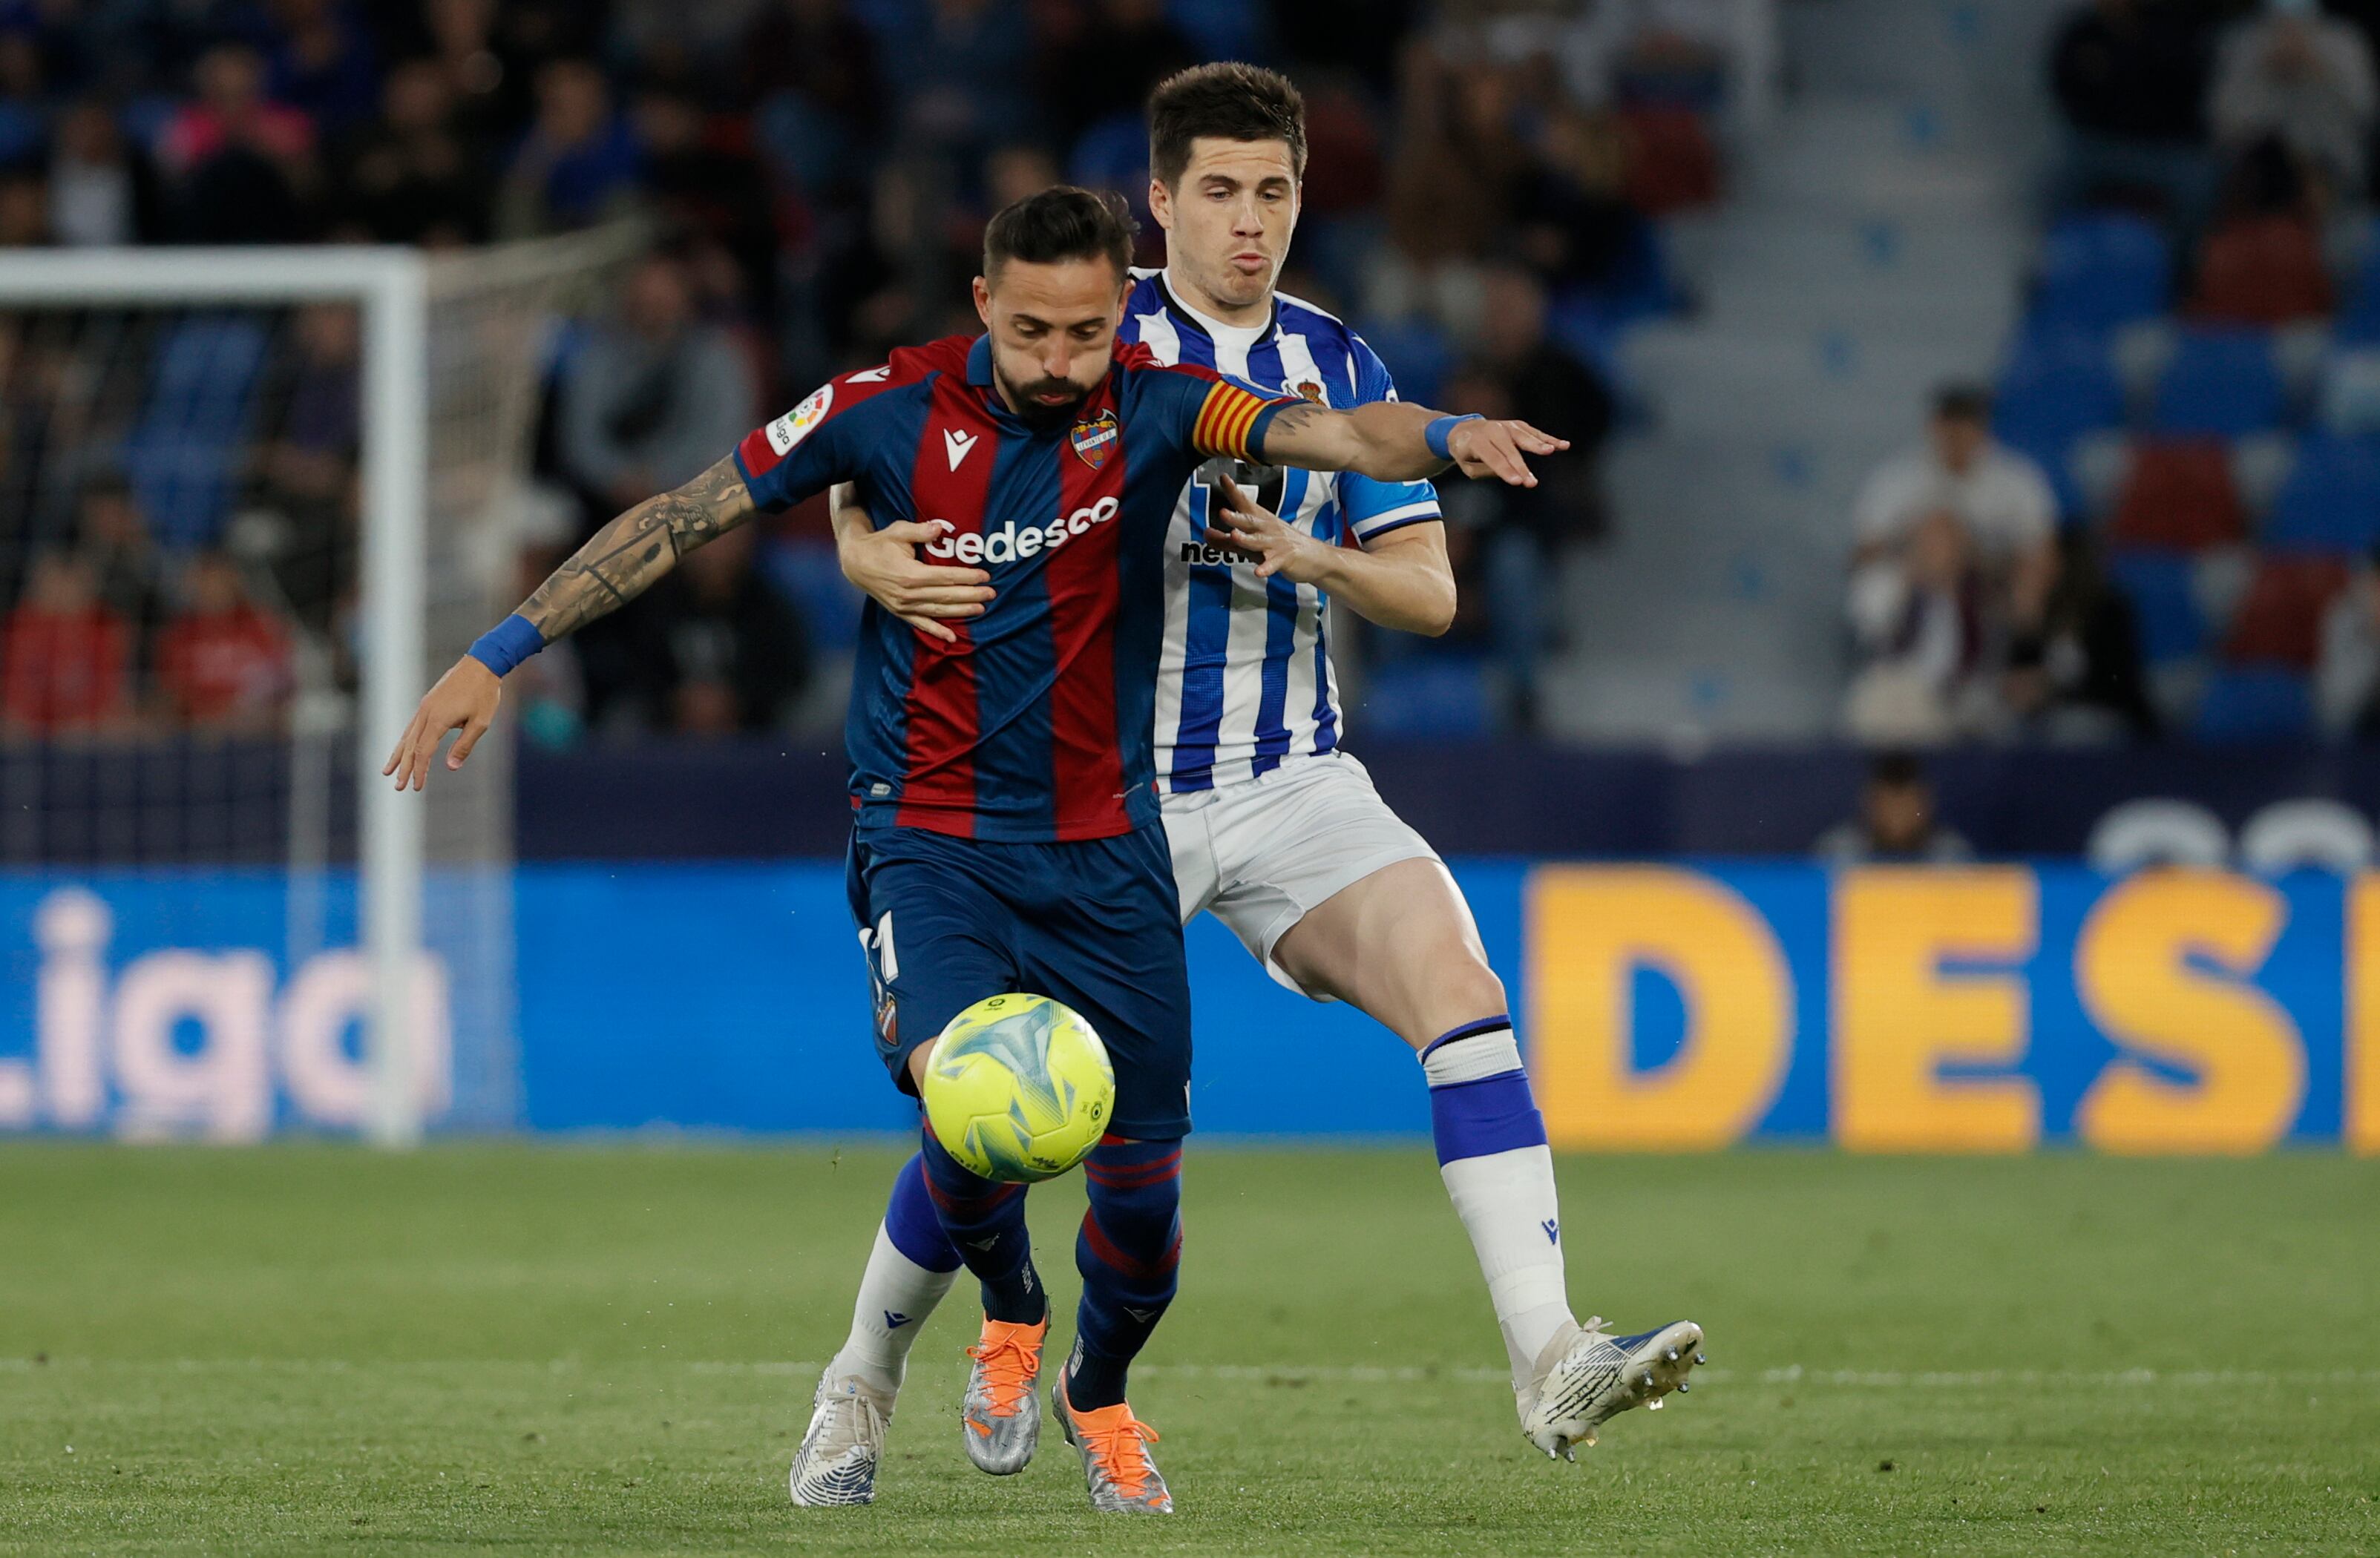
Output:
[[1274, 828]]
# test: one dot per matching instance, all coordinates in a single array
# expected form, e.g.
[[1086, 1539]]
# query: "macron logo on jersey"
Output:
[[957, 444], [1008, 544]]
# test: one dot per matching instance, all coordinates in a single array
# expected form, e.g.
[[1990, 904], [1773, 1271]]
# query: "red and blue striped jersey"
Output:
[[1037, 725]]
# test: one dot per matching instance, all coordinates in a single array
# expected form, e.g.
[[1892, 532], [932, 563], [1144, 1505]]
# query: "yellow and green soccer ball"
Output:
[[1019, 1088]]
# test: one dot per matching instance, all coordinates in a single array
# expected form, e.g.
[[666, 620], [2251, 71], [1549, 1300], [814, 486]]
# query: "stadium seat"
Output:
[[2330, 505], [2311, 834], [2059, 386], [2220, 383], [2265, 271], [2154, 831], [1673, 162], [2103, 270], [2260, 702], [2279, 622], [1427, 696], [2162, 589], [2178, 495]]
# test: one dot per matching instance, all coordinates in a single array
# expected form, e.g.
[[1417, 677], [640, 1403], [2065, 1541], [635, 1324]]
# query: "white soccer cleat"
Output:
[[836, 1464], [1586, 1377]]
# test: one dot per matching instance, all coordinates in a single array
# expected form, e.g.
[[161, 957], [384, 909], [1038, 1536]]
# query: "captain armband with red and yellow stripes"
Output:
[[1231, 420]]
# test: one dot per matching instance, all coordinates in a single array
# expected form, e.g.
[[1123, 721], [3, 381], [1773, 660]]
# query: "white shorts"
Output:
[[1260, 852]]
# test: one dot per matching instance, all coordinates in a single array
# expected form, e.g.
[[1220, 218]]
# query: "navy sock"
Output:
[[1128, 1251], [912, 1223], [985, 1223]]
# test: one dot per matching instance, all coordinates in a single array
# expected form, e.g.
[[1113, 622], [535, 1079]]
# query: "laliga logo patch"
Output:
[[1095, 441], [796, 425]]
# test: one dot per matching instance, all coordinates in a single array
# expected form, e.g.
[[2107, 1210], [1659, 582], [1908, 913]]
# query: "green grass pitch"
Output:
[[610, 1349]]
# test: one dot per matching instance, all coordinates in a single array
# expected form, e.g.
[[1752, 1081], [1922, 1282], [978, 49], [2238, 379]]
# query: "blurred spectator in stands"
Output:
[[654, 396], [1896, 825], [1919, 618], [2000, 499], [492, 96], [24, 90], [708, 183], [2304, 78], [2080, 679], [112, 538], [324, 63], [817, 51], [1575, 225], [2130, 80], [2347, 679], [966, 80], [1451, 181], [1512, 539], [1100, 60], [580, 161], [1362, 36], [222, 663], [306, 468], [66, 660], [410, 176], [731, 654], [241, 163], [103, 189], [24, 209]]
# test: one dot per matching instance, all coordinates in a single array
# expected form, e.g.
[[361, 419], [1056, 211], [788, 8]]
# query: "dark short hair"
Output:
[[1060, 223], [1228, 101], [1896, 770], [1963, 402]]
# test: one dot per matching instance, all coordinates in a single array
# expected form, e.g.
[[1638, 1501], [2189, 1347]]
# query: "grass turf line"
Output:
[[527, 1350]]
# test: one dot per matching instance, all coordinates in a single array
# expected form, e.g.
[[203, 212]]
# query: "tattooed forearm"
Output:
[[622, 560], [1380, 438]]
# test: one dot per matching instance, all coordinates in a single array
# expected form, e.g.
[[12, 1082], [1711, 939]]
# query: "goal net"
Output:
[[249, 500]]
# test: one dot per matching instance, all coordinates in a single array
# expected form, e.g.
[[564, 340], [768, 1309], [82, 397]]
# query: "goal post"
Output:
[[452, 349]]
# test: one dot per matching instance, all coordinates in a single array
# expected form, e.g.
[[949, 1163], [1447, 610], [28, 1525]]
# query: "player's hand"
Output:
[[1278, 547], [885, 566], [465, 699], [1490, 447]]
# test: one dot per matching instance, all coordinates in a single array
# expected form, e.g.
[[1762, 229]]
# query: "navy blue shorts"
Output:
[[1096, 924]]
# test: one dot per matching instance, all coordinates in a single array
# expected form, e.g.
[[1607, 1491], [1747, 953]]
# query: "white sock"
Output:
[[1500, 1173], [895, 1295]]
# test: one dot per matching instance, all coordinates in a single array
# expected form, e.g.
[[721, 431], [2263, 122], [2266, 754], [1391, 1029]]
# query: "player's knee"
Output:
[[1464, 989]]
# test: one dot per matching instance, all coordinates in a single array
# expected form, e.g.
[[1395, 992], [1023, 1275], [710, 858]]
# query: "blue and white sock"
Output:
[[1492, 1154], [910, 1269]]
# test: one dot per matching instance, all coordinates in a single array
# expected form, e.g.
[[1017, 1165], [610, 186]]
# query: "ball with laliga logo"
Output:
[[1019, 1088]]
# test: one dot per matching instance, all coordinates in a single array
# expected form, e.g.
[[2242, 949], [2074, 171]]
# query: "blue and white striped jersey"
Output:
[[1243, 677]]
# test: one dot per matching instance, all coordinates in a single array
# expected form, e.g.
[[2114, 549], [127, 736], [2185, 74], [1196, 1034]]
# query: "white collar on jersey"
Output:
[[1244, 336]]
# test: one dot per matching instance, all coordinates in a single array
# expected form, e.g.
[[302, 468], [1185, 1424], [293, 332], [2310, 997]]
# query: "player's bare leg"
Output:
[[1401, 946]]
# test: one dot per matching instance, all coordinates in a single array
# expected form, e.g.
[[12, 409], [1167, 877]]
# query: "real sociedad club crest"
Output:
[[1095, 441]]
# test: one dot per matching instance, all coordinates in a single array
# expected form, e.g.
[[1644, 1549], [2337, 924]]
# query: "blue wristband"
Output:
[[1438, 432], [507, 644]]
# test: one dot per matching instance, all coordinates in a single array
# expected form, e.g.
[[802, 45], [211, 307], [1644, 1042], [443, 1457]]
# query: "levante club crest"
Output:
[[1095, 441]]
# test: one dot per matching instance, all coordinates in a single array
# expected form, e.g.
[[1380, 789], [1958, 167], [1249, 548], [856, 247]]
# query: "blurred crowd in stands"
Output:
[[2164, 515], [1486, 184]]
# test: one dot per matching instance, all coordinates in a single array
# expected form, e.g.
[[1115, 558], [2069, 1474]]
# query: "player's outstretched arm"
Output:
[[1391, 441], [1401, 580], [618, 563]]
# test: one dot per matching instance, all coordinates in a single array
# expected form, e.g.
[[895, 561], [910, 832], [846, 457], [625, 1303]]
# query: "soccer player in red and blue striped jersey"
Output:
[[1007, 832]]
